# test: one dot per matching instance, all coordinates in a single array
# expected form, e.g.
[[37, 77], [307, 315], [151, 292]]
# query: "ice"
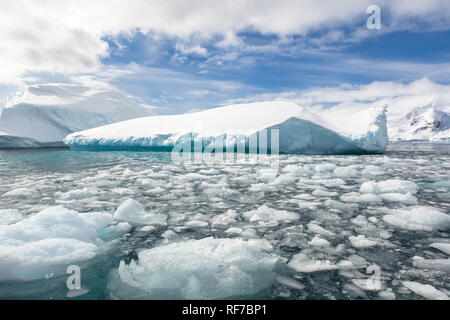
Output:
[[444, 247], [319, 230], [361, 198], [224, 219], [42, 115], [234, 230], [425, 290], [318, 242], [10, 216], [432, 264], [302, 263], [407, 199], [290, 283], [35, 246], [300, 131], [132, 211], [78, 194], [264, 213], [419, 218], [389, 186], [20, 192], [198, 269], [361, 241]]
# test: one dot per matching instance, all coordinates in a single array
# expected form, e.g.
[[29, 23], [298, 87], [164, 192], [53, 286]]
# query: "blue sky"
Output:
[[181, 56]]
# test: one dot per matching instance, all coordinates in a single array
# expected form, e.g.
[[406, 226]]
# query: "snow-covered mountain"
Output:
[[42, 115], [300, 131], [423, 123]]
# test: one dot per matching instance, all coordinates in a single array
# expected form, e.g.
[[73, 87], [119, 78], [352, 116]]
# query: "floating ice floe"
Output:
[[54, 237], [132, 211], [78, 194], [425, 290], [300, 131], [361, 241], [197, 269], [302, 263], [264, 213], [444, 247], [419, 218]]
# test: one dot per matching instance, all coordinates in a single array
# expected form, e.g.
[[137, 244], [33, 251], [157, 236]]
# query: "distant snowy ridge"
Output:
[[300, 131], [423, 123], [43, 114]]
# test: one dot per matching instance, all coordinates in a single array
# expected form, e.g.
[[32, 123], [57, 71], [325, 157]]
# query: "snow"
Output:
[[264, 213], [42, 115], [300, 131], [425, 290], [33, 247], [427, 123], [132, 211], [197, 269], [419, 218]]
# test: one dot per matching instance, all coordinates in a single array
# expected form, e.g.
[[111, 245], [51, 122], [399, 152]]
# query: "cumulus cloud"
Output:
[[68, 36]]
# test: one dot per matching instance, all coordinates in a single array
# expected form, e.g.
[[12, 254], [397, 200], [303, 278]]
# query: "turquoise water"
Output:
[[185, 194]]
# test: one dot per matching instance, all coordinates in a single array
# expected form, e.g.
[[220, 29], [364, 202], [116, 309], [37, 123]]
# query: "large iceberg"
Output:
[[42, 115], [299, 131]]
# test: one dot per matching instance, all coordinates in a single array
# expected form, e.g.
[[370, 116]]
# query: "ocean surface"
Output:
[[315, 227]]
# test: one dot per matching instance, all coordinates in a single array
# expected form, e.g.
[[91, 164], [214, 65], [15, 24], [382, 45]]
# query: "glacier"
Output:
[[42, 115], [422, 123], [300, 131]]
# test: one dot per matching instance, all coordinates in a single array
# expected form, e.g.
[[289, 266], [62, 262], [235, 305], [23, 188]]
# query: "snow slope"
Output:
[[300, 131], [44, 114], [427, 123]]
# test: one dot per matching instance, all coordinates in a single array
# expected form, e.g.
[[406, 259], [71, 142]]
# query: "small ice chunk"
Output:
[[407, 198], [262, 187], [147, 229], [19, 192], [198, 269], [425, 290], [132, 211], [318, 242], [302, 263], [315, 228], [224, 219], [432, 264], [389, 186], [324, 193], [78, 194], [361, 241], [197, 224], [444, 247], [361, 198], [419, 218], [264, 213], [233, 230], [386, 294], [290, 283]]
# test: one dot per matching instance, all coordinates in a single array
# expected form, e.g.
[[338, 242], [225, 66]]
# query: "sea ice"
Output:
[[419, 218], [132, 211], [264, 213], [197, 269], [40, 244], [425, 290]]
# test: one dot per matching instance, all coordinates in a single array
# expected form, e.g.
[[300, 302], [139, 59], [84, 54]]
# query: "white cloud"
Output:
[[60, 36], [400, 97]]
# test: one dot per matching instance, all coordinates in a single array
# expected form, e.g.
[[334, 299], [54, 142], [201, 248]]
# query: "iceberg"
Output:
[[299, 131], [42, 115]]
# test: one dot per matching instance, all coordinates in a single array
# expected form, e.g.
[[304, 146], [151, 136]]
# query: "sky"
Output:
[[180, 56]]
